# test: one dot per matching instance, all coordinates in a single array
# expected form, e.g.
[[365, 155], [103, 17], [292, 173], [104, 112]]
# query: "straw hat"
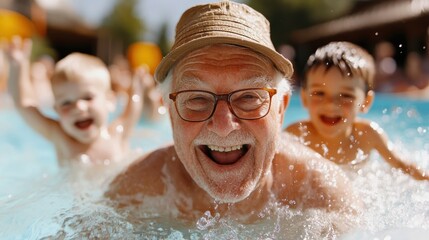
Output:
[[223, 22]]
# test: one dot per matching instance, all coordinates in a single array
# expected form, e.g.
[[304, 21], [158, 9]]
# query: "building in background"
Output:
[[58, 25], [375, 24]]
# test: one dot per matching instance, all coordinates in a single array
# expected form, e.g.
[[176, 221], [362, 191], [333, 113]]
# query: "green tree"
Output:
[[41, 47], [123, 23], [162, 41], [286, 16]]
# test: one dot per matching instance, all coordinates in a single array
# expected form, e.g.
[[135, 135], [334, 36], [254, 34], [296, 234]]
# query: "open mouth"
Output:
[[330, 120], [225, 155], [84, 124]]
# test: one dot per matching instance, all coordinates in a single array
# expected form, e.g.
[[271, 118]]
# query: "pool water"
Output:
[[41, 201]]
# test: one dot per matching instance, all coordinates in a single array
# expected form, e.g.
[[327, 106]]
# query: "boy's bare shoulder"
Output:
[[296, 128], [368, 127]]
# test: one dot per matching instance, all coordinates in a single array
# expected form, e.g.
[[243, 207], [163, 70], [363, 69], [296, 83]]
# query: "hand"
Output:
[[18, 51], [139, 81]]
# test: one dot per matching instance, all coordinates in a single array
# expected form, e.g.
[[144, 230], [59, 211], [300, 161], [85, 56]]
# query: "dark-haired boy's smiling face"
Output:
[[333, 100]]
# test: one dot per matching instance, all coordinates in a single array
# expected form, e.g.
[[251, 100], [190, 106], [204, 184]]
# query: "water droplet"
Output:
[[119, 129], [85, 159], [421, 130], [135, 98], [162, 110]]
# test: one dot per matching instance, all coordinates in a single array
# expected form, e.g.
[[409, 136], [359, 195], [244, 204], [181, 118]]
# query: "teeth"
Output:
[[224, 149]]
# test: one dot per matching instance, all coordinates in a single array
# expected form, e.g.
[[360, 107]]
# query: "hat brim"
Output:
[[281, 63]]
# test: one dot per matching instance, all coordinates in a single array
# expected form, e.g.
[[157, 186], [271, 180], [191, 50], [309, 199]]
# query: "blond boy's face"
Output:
[[333, 101], [83, 106]]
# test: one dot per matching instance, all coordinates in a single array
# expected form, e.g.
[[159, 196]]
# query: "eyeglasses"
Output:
[[199, 105]]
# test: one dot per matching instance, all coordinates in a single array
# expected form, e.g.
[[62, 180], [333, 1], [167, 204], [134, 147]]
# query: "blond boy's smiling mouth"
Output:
[[84, 124]]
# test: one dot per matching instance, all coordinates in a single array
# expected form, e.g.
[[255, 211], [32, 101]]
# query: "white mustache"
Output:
[[233, 139]]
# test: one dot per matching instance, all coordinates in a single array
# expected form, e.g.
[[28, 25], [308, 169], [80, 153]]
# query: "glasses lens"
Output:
[[250, 103], [195, 105]]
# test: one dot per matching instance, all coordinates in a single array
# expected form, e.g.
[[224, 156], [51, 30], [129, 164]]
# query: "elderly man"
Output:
[[226, 89]]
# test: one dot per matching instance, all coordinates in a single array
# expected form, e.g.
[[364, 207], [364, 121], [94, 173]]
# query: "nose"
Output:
[[82, 105], [333, 101], [223, 121]]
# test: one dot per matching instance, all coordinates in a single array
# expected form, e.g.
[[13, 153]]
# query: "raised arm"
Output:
[[21, 87], [132, 111], [386, 149]]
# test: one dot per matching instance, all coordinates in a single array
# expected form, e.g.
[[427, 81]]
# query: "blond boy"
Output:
[[83, 100], [337, 87]]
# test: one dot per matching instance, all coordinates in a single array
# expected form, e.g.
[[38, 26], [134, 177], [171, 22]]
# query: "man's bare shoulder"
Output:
[[142, 176], [301, 169], [292, 149], [295, 158]]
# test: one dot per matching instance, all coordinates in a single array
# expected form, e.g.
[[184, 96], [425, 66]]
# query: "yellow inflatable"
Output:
[[13, 23], [144, 54]]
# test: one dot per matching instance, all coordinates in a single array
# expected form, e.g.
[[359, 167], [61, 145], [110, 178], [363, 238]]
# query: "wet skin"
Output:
[[225, 164]]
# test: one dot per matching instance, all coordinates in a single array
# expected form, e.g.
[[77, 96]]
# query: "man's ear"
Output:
[[284, 103], [369, 99]]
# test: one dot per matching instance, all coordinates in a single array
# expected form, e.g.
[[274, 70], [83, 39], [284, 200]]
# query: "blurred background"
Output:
[[395, 32]]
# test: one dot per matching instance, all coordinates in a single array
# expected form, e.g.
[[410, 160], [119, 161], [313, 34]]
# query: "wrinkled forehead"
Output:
[[197, 83], [226, 63]]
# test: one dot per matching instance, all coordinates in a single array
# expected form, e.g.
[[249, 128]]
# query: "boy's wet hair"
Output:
[[352, 61]]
